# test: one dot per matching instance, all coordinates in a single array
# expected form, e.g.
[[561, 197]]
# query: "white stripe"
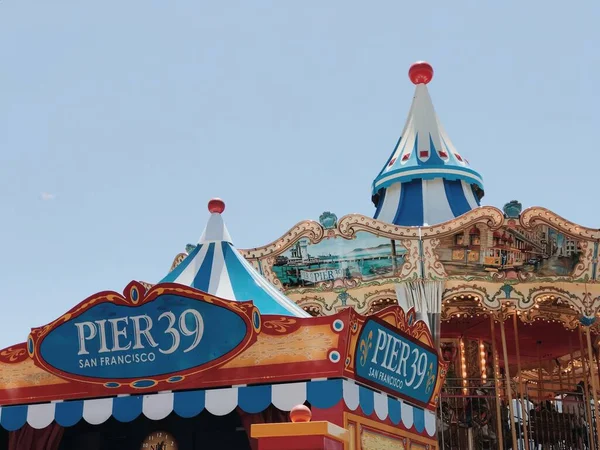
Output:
[[436, 208], [380, 402], [97, 411], [417, 172], [276, 295], [408, 147], [286, 396], [40, 416], [157, 406], [220, 402], [186, 277], [407, 136], [219, 284], [430, 422], [451, 148], [215, 230], [407, 415], [351, 397], [425, 121], [391, 203], [425, 204], [469, 195]]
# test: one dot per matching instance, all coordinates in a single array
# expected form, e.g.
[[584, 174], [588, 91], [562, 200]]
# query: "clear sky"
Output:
[[120, 119]]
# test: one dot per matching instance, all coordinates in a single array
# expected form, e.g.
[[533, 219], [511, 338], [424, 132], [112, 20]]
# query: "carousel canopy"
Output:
[[215, 266], [425, 180], [539, 341]]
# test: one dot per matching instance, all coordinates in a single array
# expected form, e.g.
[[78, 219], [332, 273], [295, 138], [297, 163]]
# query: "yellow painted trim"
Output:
[[319, 428], [378, 426]]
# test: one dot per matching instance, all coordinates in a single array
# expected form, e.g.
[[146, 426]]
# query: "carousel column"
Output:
[[593, 377], [513, 430], [300, 434], [497, 385], [524, 411], [588, 407]]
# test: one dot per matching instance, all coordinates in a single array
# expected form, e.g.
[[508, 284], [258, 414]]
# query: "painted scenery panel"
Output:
[[479, 251], [363, 258]]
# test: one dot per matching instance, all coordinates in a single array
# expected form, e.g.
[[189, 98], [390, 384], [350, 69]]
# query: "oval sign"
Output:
[[168, 334]]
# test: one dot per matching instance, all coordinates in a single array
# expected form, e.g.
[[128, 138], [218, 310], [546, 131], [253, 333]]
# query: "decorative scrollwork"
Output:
[[583, 268], [412, 260], [349, 225], [543, 293], [14, 354], [178, 260], [433, 266], [489, 215], [305, 229], [538, 215], [280, 325]]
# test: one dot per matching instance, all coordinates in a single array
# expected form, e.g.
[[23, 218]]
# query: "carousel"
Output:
[[437, 323], [512, 295]]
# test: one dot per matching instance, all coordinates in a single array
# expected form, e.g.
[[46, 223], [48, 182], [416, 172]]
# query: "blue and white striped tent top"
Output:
[[425, 180], [320, 393], [215, 266]]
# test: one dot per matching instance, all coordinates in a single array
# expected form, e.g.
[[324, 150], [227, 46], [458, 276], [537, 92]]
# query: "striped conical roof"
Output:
[[215, 266], [425, 180]]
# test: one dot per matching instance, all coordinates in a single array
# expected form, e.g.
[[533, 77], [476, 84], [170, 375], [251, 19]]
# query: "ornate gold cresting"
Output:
[[573, 295]]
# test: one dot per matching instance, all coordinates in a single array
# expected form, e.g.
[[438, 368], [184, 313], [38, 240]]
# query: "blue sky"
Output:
[[119, 120]]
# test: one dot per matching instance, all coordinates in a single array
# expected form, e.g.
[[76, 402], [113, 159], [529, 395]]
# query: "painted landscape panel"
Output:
[[365, 257], [543, 252]]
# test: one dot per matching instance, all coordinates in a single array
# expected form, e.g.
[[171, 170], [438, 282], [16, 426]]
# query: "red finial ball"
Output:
[[216, 205], [420, 72], [300, 413]]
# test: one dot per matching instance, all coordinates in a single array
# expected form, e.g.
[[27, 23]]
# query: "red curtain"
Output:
[[269, 415], [27, 438]]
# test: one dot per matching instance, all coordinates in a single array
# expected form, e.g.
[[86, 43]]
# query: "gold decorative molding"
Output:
[[537, 215], [305, 229]]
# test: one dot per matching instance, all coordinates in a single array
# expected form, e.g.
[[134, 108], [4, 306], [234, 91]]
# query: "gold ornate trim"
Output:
[[537, 215]]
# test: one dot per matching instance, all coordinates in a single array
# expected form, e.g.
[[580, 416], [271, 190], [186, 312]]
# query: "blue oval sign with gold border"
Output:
[[142, 338], [396, 362]]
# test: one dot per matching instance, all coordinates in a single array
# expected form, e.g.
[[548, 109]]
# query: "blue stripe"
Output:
[[322, 394], [254, 399], [325, 394], [366, 399], [410, 206], [174, 274], [127, 409], [434, 159], [246, 288], [456, 197], [418, 419], [13, 417], [202, 278], [394, 410], [439, 171], [68, 413], [390, 158], [189, 404]]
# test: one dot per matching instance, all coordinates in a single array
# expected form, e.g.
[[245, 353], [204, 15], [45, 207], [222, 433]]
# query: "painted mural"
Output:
[[482, 252], [366, 257]]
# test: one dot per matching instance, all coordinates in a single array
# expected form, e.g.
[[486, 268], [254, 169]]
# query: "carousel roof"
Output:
[[215, 266], [425, 180]]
